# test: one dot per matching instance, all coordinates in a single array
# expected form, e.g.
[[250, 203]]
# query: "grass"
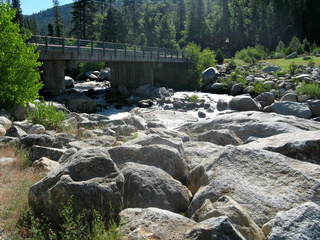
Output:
[[285, 63], [311, 89], [15, 178]]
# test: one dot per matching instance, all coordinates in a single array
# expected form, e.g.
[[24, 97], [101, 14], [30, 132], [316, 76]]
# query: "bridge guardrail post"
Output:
[[91, 48], [158, 53], [125, 50], [46, 42], [63, 45], [115, 49], [104, 49], [142, 52], [78, 47], [134, 51]]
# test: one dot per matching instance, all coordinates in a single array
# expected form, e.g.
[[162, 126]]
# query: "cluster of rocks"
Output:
[[281, 98], [238, 175]]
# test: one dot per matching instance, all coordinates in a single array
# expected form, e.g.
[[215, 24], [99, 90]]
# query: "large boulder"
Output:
[[314, 106], [265, 99], [300, 110], [148, 186], [37, 152], [304, 146], [301, 222], [271, 69], [37, 139], [209, 75], [252, 124], [69, 82], [161, 156], [167, 133], [292, 55], [5, 122], [89, 180], [225, 206], [221, 137], [263, 182], [244, 103], [153, 223]]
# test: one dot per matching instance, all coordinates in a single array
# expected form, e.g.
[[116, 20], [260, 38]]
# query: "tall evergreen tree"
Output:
[[83, 15], [58, 27], [18, 15], [181, 16]]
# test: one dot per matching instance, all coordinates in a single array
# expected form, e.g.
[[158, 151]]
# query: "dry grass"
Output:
[[15, 180]]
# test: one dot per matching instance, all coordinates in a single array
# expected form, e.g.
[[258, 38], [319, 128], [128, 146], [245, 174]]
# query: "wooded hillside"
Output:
[[226, 24]]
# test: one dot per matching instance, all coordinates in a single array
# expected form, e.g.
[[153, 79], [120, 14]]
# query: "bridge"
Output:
[[130, 65]]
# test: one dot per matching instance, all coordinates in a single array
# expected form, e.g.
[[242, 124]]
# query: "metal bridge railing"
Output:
[[48, 44]]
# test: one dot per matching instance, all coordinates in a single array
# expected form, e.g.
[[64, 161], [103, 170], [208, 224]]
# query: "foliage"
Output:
[[251, 54], [232, 64], [293, 68], [259, 87], [19, 79], [72, 226], [47, 115], [197, 61], [194, 98], [312, 89], [219, 56]]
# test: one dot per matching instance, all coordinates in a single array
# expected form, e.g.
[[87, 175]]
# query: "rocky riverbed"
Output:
[[182, 167]]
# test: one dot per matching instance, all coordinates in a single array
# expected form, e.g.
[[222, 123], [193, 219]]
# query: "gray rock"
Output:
[[105, 74], [37, 152], [221, 137], [263, 182], [209, 75], [265, 99], [195, 152], [148, 186], [236, 89], [123, 91], [143, 223], [67, 154], [222, 105], [202, 114], [167, 133], [292, 55], [304, 146], [15, 131], [244, 103], [135, 122], [161, 156], [270, 69], [252, 124], [45, 164], [214, 228], [2, 131], [69, 82], [20, 112], [5, 122], [37, 139], [301, 222], [291, 108], [36, 129], [289, 97], [216, 88], [225, 206], [153, 139], [314, 106], [88, 180]]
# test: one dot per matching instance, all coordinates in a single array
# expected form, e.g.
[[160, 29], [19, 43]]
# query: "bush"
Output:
[[251, 54], [293, 68], [20, 76], [219, 56], [259, 87], [197, 62], [47, 115], [311, 89]]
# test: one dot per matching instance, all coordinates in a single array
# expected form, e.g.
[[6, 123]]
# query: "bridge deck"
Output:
[[53, 48]]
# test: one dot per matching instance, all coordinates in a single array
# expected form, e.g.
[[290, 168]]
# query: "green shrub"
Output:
[[232, 64], [259, 87], [219, 56], [197, 61], [251, 54], [194, 98], [312, 89], [46, 114], [293, 68]]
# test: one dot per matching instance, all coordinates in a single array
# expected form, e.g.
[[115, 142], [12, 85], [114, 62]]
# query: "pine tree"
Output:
[[58, 27], [18, 15], [83, 15]]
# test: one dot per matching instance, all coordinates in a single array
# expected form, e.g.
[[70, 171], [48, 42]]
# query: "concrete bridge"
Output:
[[130, 65]]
